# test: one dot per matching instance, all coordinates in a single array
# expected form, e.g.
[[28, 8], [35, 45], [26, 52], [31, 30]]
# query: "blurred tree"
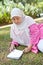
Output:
[[26, 1]]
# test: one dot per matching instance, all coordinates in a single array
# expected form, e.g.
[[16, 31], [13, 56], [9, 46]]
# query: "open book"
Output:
[[15, 54]]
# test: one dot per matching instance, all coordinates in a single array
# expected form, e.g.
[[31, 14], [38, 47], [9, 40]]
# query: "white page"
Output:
[[15, 54]]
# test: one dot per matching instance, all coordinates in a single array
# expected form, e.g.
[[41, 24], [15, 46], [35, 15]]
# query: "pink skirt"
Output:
[[36, 33]]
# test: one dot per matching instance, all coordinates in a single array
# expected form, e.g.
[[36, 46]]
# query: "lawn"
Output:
[[26, 59]]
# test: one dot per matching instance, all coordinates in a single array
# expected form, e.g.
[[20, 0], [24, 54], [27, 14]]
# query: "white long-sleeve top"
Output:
[[20, 33]]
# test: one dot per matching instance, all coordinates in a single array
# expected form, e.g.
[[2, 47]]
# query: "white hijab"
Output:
[[17, 12], [25, 19], [22, 28]]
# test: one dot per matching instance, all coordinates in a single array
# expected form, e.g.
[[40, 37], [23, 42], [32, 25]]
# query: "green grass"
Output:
[[26, 59]]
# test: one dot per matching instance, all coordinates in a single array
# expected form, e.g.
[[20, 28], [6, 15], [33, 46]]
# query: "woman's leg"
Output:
[[34, 37], [40, 44], [41, 30]]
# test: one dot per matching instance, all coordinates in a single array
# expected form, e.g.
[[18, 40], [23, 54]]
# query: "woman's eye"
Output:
[[13, 19], [17, 18]]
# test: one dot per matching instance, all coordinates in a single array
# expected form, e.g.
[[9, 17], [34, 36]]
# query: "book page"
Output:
[[15, 54]]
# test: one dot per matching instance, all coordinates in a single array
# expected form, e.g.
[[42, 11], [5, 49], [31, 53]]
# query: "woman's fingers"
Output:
[[26, 50]]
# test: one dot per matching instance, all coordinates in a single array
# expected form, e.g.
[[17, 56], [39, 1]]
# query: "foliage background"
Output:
[[30, 7]]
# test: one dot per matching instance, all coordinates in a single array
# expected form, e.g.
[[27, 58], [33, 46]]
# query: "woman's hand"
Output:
[[27, 49], [11, 47]]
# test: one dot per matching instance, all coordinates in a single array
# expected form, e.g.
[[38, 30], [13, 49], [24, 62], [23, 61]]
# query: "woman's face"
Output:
[[16, 19]]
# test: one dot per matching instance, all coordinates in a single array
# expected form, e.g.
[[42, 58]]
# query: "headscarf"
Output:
[[26, 20], [17, 12]]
